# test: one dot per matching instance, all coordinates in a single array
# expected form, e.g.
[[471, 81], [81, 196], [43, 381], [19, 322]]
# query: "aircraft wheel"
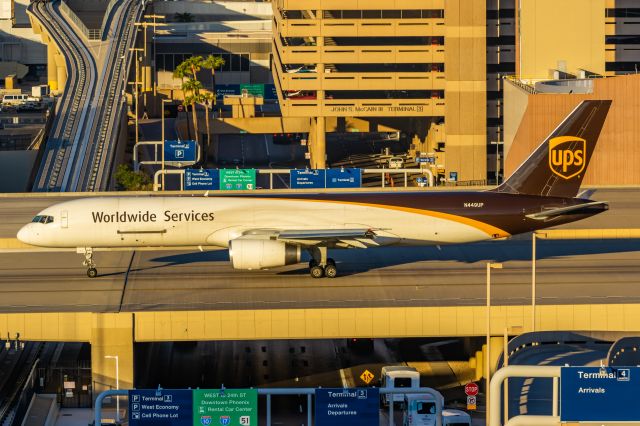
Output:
[[316, 271], [330, 271], [92, 272]]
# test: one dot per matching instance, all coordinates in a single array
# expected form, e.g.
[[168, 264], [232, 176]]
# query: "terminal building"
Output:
[[437, 72], [418, 66], [431, 70]]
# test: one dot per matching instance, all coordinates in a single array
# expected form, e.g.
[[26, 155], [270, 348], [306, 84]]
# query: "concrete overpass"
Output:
[[116, 333]]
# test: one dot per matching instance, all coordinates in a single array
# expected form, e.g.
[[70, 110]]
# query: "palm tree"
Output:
[[183, 17], [181, 71], [213, 63], [206, 99], [187, 71], [192, 86], [195, 65]]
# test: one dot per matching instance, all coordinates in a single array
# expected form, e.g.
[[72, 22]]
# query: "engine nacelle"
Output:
[[262, 254]]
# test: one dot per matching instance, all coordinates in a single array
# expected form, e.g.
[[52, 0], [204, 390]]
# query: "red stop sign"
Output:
[[471, 389]]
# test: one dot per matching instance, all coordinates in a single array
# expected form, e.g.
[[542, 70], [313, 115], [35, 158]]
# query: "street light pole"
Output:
[[135, 84], [145, 25], [163, 101], [533, 282], [497, 144], [490, 265], [117, 384]]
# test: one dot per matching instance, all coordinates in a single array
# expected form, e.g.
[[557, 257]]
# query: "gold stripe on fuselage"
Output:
[[488, 229]]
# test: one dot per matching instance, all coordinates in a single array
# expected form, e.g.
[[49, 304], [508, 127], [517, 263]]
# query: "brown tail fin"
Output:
[[556, 168]]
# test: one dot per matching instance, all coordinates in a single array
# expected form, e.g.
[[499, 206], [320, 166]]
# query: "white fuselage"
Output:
[[214, 221]]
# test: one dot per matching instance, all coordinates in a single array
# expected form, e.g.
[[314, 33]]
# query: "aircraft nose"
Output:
[[25, 234]]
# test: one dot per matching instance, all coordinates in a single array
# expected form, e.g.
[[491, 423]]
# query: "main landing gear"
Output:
[[320, 265], [92, 272]]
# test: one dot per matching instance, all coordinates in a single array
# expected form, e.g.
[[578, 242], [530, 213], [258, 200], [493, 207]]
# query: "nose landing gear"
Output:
[[92, 272], [320, 265]]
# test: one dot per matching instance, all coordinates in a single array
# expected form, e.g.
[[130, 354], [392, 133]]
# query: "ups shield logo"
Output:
[[567, 155]]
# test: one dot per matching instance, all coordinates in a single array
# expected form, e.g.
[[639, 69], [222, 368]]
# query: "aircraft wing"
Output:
[[356, 238], [551, 214], [344, 238]]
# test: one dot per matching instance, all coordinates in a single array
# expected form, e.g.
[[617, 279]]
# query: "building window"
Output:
[[623, 13], [232, 62], [384, 14], [235, 62]]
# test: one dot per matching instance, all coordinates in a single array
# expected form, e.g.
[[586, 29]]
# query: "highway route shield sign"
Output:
[[233, 407], [367, 376]]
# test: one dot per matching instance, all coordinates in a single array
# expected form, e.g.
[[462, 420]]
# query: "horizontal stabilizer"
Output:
[[586, 194], [586, 208]]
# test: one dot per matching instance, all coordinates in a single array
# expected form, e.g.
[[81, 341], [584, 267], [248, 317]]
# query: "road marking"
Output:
[[526, 386], [346, 377]]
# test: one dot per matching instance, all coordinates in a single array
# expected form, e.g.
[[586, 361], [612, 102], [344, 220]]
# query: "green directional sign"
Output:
[[237, 179], [233, 407], [253, 89]]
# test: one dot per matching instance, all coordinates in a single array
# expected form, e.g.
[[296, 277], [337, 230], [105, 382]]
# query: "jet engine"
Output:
[[262, 254]]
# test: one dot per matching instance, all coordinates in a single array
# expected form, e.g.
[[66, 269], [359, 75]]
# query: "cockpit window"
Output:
[[42, 219]]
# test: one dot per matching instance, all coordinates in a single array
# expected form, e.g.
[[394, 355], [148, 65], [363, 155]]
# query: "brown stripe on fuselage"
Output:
[[501, 214]]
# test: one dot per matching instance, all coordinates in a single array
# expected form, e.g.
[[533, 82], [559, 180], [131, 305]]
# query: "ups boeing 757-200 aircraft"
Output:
[[264, 231]]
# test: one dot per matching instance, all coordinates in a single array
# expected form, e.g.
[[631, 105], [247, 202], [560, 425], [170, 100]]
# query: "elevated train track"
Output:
[[81, 147], [71, 108]]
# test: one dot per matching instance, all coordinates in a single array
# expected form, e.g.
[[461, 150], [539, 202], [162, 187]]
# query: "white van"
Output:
[[14, 100], [420, 410], [455, 418], [396, 377]]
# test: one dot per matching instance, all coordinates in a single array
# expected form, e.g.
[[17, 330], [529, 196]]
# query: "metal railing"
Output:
[[309, 392], [89, 33], [272, 172], [19, 402], [523, 371], [524, 86], [43, 134]]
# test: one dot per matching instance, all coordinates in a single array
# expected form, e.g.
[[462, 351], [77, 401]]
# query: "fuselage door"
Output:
[[64, 219]]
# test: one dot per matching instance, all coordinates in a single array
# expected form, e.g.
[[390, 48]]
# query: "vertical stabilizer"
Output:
[[556, 168]]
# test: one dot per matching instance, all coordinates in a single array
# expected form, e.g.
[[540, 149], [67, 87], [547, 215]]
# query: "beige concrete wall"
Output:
[[111, 335], [379, 322], [516, 100], [567, 30], [114, 334], [108, 334], [466, 82]]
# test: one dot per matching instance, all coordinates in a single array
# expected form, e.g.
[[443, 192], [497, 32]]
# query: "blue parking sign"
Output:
[[180, 151], [166, 407], [201, 179]]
